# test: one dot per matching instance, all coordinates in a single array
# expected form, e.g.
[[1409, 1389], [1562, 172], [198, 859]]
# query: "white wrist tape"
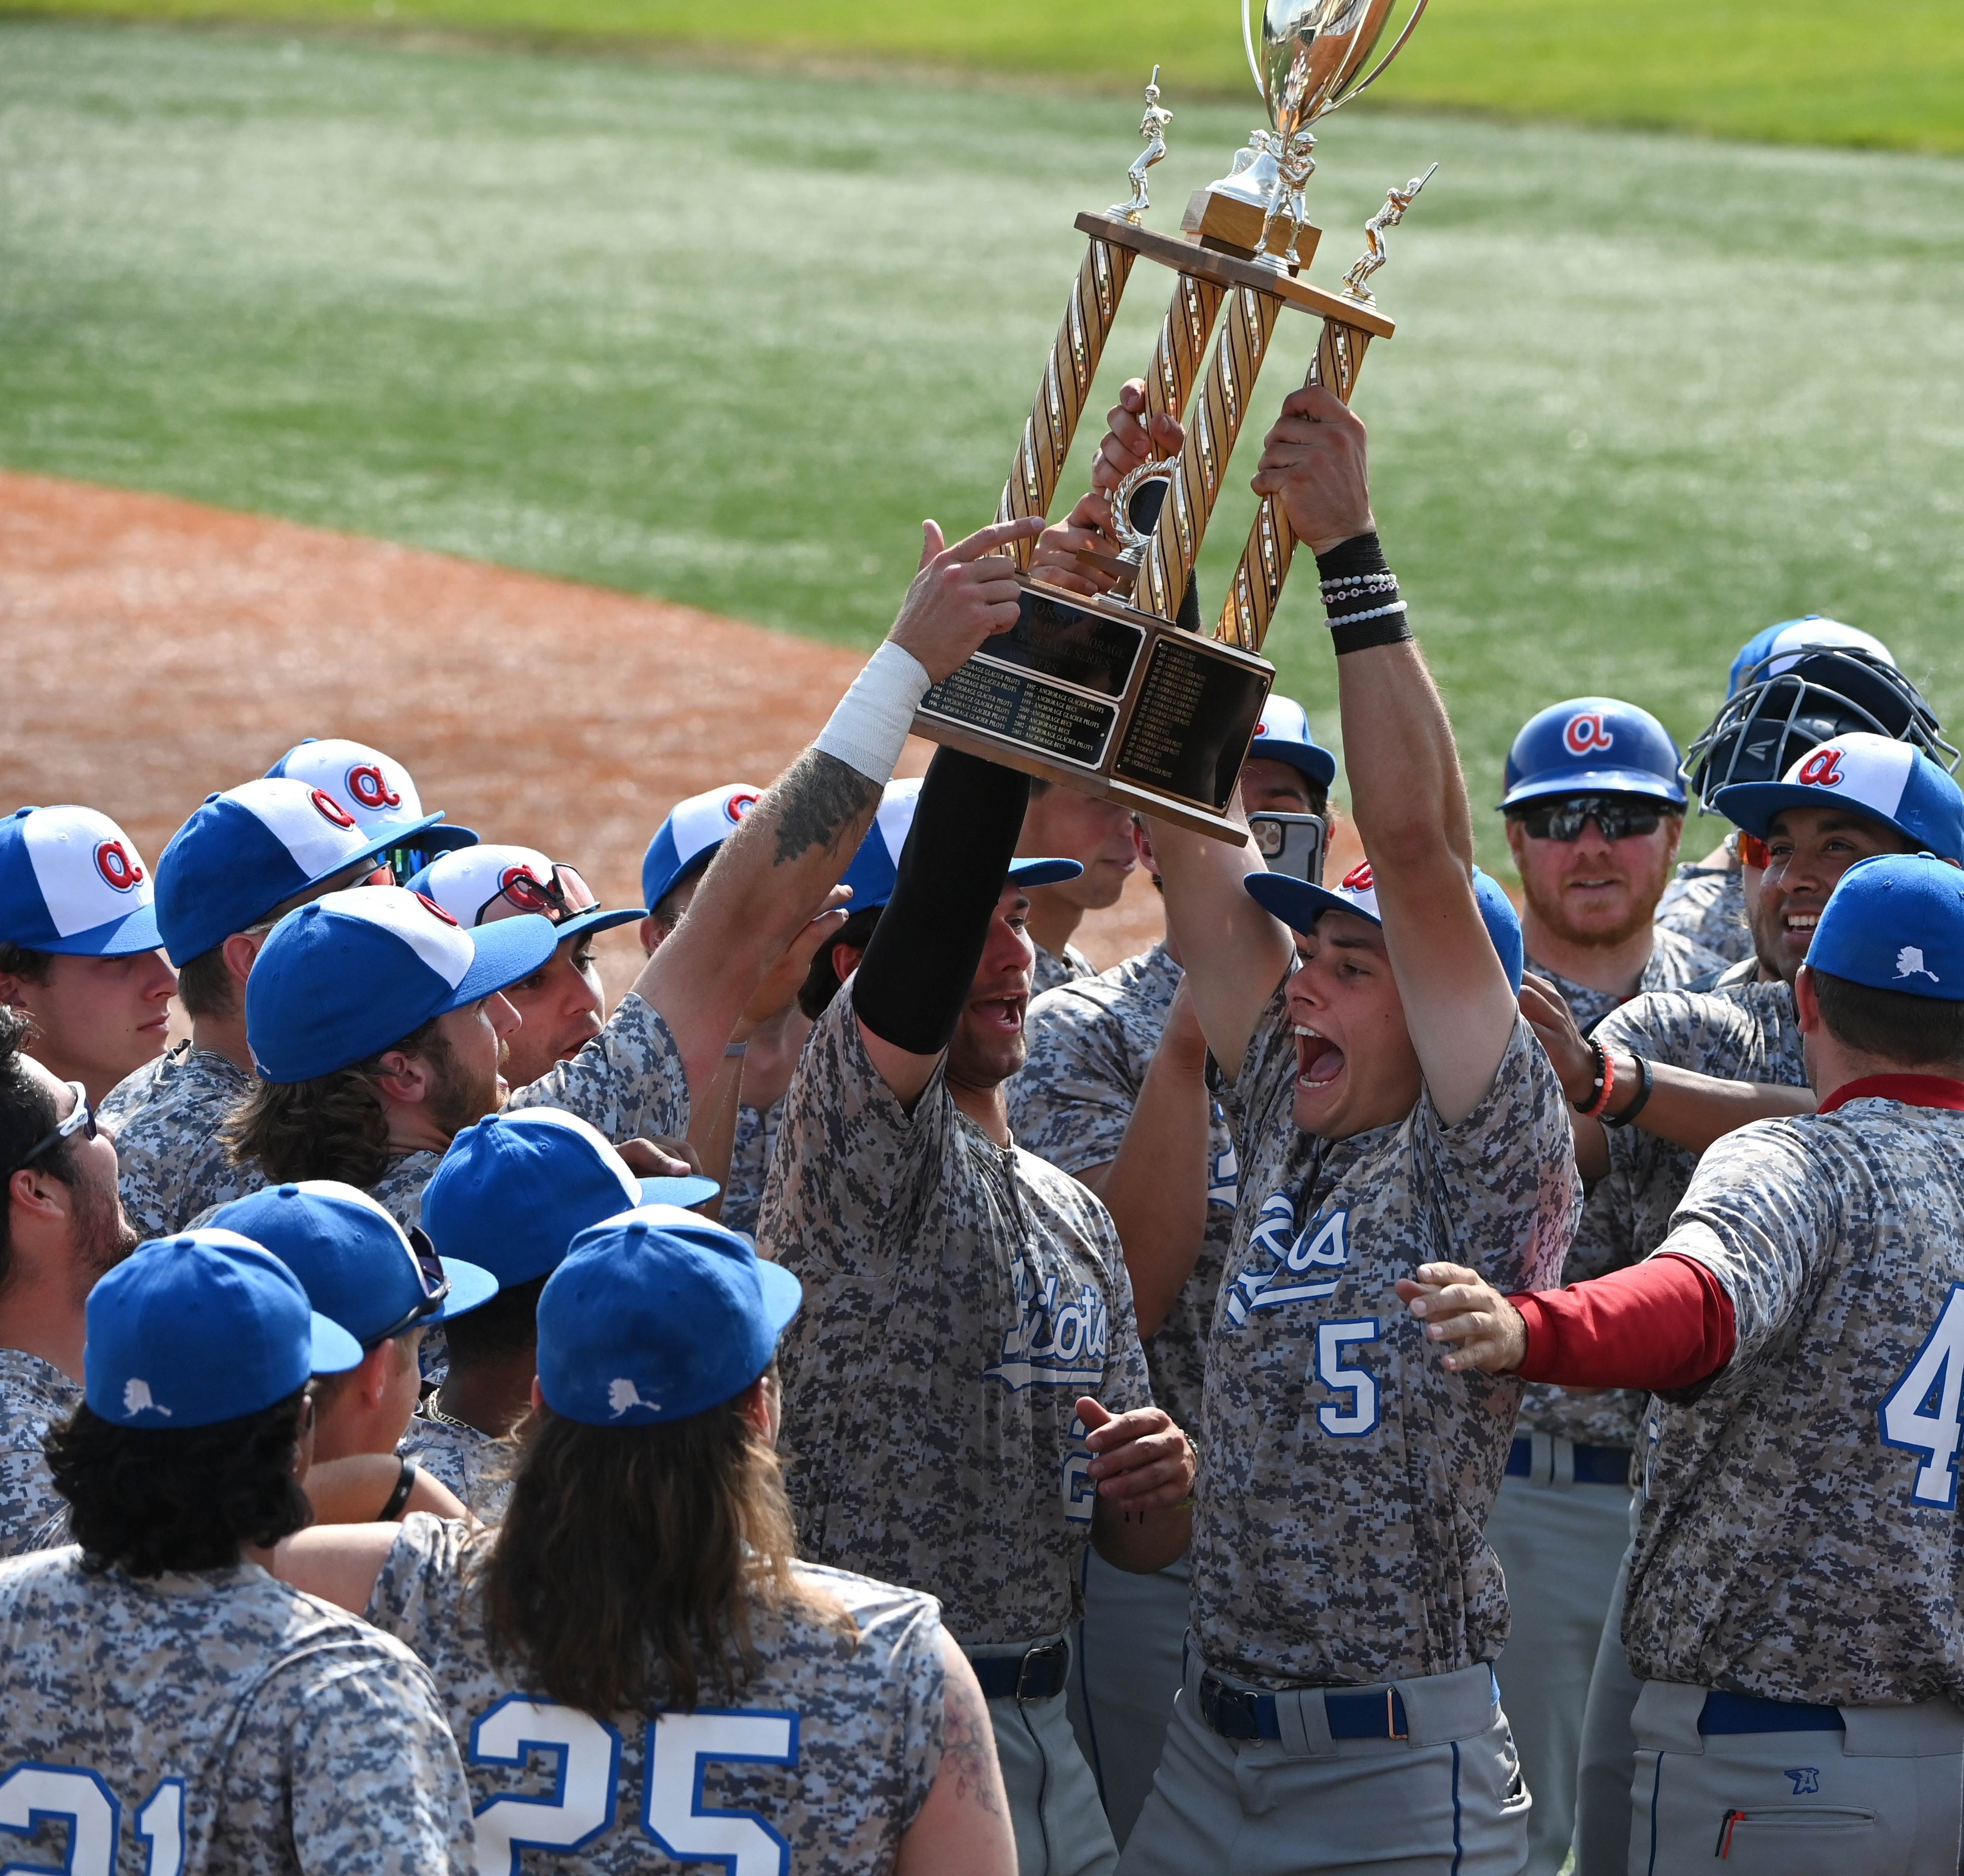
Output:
[[869, 729]]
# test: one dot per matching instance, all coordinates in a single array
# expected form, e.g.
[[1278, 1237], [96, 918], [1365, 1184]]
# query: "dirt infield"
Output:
[[161, 649]]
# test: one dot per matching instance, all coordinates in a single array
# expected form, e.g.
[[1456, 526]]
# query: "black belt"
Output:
[[1750, 1713], [1038, 1674], [1354, 1713], [1594, 1465]]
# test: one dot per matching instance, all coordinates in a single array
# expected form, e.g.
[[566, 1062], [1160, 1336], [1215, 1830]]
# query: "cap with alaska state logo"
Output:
[[203, 1327], [1283, 735], [358, 1266], [347, 977], [515, 1189], [1299, 905], [690, 836], [480, 885], [656, 1315], [1895, 922], [1892, 782], [1592, 745], [72, 882], [242, 852], [375, 788]]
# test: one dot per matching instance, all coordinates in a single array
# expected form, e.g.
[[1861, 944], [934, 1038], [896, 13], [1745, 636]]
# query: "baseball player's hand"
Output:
[[1081, 552], [1313, 460], [960, 595], [663, 1158], [1128, 442], [1459, 1307], [780, 984], [1548, 1016], [1139, 1459]]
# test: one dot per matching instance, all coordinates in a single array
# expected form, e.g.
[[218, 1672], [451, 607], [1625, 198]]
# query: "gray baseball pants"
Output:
[[1881, 1797], [1603, 1778], [1447, 1801], [1560, 1546], [1125, 1671]]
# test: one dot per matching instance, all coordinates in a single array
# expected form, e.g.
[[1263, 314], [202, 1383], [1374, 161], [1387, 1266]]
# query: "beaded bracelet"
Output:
[[1600, 1089]]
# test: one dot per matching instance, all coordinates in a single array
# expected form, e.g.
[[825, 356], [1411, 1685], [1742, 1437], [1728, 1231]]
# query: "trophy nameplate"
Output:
[[1109, 700]]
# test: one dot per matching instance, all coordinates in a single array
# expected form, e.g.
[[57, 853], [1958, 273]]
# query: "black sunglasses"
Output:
[[436, 1289], [81, 1120], [1617, 817]]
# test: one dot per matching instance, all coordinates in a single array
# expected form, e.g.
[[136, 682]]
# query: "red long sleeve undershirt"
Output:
[[1664, 1324]]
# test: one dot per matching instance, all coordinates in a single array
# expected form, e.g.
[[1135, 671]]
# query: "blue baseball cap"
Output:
[[1299, 905], [72, 882], [875, 870], [244, 851], [1892, 782], [656, 1315], [375, 788], [1592, 745], [515, 1189], [1895, 922], [690, 836], [203, 1327], [1784, 643], [356, 1263], [1283, 735], [482, 884], [347, 977]]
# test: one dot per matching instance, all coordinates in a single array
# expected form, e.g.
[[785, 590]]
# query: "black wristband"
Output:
[[1361, 554], [1646, 1079], [406, 1483], [1389, 631], [1142, 510], [1360, 595]]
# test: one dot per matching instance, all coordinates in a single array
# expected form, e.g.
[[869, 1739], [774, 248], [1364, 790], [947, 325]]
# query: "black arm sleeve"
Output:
[[917, 971]]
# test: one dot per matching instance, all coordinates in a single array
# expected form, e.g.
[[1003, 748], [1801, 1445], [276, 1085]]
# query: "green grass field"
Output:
[[724, 338], [1782, 71]]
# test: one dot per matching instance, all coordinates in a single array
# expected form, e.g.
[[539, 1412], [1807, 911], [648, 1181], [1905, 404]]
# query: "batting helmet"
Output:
[[1592, 745]]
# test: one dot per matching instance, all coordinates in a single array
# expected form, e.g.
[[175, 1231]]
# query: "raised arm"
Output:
[[772, 876], [1407, 796]]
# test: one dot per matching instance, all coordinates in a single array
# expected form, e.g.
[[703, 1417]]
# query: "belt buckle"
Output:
[[1046, 1651], [1391, 1730]]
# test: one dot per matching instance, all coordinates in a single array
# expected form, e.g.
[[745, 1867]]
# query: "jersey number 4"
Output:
[[60, 1794], [1921, 1413], [678, 1747]]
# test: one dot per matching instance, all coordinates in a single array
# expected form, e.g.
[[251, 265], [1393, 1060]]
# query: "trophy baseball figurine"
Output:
[[1115, 699]]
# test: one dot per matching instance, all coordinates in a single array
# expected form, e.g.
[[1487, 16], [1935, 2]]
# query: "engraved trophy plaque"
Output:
[[1113, 698]]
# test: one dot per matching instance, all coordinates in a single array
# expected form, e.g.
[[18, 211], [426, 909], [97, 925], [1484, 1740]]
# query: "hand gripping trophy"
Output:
[[1114, 698], [1152, 127]]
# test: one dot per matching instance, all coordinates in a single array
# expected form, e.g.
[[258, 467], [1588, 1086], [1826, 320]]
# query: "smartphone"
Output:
[[1291, 843]]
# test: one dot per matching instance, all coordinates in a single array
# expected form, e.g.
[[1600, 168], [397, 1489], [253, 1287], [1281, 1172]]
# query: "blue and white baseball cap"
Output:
[[242, 852], [482, 884], [515, 1189], [1299, 905], [1592, 745], [657, 1315], [875, 870], [72, 882], [358, 1266], [1283, 735], [203, 1327], [691, 835], [1784, 642], [1895, 922], [375, 788], [348, 976], [1892, 782]]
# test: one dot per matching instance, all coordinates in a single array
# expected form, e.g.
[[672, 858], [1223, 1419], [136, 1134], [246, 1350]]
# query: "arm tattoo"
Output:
[[819, 795], [968, 1744]]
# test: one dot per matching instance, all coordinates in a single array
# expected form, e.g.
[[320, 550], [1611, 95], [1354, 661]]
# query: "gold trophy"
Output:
[[1115, 699]]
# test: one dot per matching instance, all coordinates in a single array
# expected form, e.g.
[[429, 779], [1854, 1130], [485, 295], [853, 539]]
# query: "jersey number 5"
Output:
[[60, 1794], [1920, 1414], [678, 1748]]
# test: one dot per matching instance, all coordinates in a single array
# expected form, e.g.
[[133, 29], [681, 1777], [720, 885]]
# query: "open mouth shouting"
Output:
[[1000, 1015], [1319, 1061]]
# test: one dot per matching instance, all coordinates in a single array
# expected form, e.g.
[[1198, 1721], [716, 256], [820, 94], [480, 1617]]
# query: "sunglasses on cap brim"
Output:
[[562, 897], [1617, 817], [436, 1289]]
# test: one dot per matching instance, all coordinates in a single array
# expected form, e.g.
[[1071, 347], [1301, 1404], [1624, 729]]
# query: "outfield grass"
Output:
[[1785, 71], [708, 336]]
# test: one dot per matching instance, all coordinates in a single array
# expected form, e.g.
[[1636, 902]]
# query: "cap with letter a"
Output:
[[72, 882], [1889, 781]]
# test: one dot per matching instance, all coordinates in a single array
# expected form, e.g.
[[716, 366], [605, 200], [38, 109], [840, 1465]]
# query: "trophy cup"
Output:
[[1114, 698]]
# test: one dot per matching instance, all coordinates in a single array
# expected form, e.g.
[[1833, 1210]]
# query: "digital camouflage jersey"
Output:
[[750, 1164], [34, 1396], [1746, 1033], [1049, 970], [1707, 904], [818, 1764], [1675, 961], [959, 1297], [171, 1163], [1799, 1538], [469, 1464], [215, 1724], [1091, 1042], [1346, 1476]]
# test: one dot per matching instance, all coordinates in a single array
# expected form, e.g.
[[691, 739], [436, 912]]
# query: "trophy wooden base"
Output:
[[1110, 701]]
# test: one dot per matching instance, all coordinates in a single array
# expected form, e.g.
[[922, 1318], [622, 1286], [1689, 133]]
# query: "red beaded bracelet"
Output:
[[1602, 1088]]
